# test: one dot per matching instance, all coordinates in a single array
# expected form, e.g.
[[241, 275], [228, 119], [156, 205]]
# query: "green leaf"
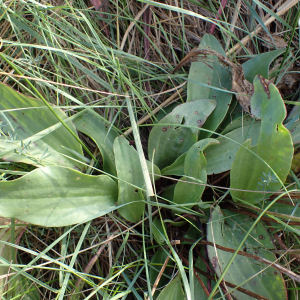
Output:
[[20, 118], [173, 291], [240, 122], [259, 65], [220, 157], [216, 77], [195, 173], [131, 180], [274, 147], [90, 123], [169, 139], [176, 168], [227, 229], [56, 196]]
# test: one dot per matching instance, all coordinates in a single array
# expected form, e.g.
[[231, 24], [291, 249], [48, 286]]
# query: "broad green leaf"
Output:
[[195, 174], [131, 180], [56, 196], [239, 123], [173, 291], [169, 139], [227, 229], [259, 65], [168, 192], [220, 157], [90, 123], [22, 117], [274, 147], [215, 77], [176, 168]]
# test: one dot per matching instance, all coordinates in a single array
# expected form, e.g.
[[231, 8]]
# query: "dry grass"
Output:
[[155, 44]]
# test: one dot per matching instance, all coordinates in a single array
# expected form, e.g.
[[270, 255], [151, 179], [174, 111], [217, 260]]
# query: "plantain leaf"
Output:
[[221, 156], [173, 291], [20, 118], [90, 123], [274, 147], [168, 139], [56, 196], [227, 229], [176, 168], [215, 78], [259, 65], [131, 180], [195, 173]]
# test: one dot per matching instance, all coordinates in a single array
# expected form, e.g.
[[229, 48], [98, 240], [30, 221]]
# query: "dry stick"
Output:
[[270, 213], [159, 276], [281, 243], [280, 268], [240, 289], [283, 9], [88, 269], [201, 283], [255, 215]]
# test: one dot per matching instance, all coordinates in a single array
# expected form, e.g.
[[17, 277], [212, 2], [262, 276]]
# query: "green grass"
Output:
[[71, 56]]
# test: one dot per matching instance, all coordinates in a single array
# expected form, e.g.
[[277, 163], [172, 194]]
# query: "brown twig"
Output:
[[281, 243], [282, 10], [240, 289], [159, 276], [280, 268], [254, 215], [201, 283], [287, 217]]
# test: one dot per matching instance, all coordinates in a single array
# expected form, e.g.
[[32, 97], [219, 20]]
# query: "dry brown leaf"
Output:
[[277, 42], [239, 85]]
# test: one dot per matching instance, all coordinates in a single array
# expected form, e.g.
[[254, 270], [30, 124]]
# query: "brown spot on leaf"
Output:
[[265, 84]]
